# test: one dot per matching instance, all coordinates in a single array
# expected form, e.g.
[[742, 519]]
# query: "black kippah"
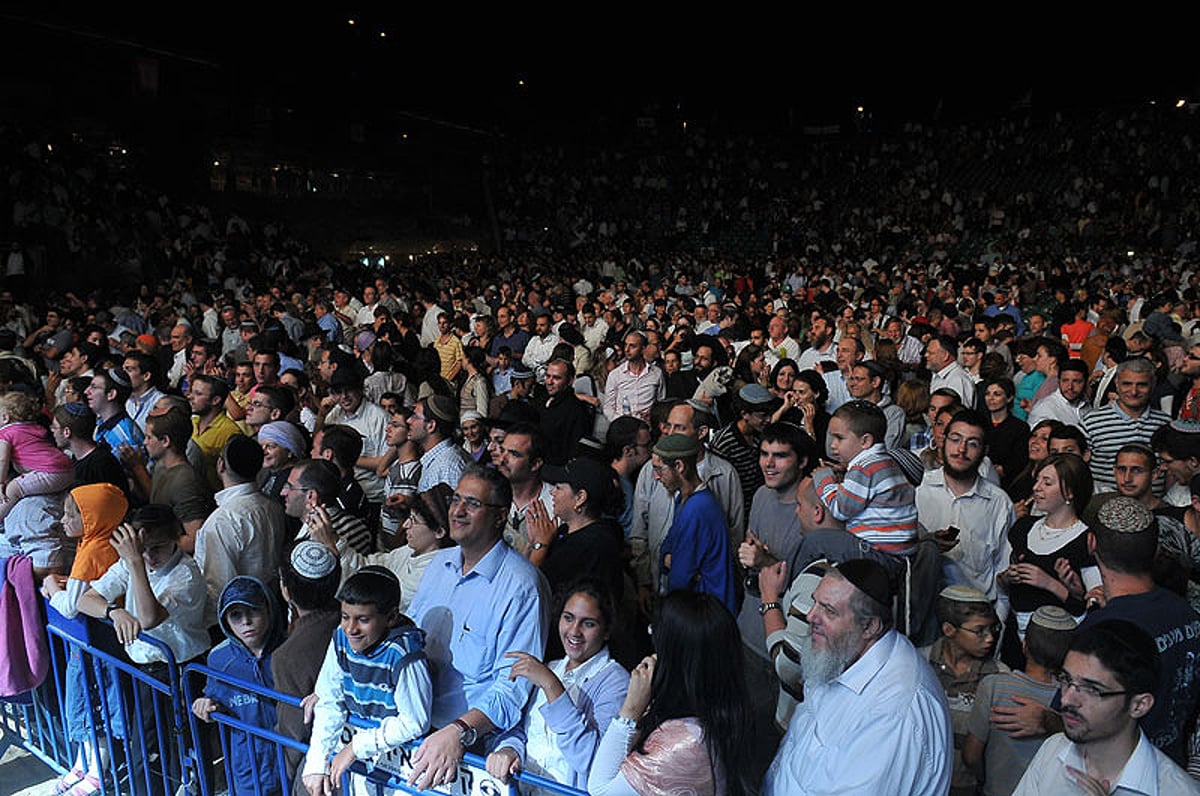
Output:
[[869, 577]]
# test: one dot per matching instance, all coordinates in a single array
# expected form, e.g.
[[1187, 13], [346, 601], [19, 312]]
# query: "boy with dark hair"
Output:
[[375, 650], [996, 755], [342, 445], [73, 427], [866, 489], [253, 627]]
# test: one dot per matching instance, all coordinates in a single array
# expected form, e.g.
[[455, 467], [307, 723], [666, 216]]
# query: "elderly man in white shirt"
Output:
[[874, 718]]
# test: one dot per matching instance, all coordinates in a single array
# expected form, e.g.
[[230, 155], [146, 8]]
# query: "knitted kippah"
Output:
[[1053, 617], [963, 594], [675, 446], [1124, 515], [1185, 426], [443, 408], [313, 560], [118, 376]]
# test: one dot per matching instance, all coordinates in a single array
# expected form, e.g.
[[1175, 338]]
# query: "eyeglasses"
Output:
[[983, 632], [471, 504], [972, 443], [1086, 690]]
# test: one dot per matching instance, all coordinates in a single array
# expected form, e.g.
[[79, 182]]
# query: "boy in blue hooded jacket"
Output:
[[253, 629]]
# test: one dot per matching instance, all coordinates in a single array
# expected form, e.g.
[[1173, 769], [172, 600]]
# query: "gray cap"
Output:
[[757, 396], [676, 446]]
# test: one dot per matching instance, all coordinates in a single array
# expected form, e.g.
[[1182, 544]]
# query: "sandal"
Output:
[[88, 786], [69, 780]]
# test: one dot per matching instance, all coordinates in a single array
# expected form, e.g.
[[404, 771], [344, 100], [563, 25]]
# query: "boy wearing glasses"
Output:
[[963, 655]]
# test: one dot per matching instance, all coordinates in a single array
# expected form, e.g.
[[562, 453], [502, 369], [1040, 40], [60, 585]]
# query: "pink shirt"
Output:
[[33, 449]]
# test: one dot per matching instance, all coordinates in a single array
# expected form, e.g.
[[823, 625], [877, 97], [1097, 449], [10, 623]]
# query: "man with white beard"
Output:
[[874, 718]]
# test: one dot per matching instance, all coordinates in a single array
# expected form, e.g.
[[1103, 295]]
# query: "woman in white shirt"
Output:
[[577, 695]]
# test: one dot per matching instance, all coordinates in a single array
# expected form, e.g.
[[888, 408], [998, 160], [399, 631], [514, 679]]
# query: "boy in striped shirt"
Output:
[[865, 488], [375, 670]]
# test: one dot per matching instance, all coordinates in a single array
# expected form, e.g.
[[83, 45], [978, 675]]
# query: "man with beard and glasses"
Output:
[[967, 515], [1107, 686], [874, 717]]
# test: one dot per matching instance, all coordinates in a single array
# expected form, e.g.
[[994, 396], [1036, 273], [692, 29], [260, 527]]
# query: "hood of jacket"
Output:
[[245, 590], [102, 507]]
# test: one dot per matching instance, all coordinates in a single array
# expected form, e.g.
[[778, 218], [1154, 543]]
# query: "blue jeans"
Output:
[[79, 702]]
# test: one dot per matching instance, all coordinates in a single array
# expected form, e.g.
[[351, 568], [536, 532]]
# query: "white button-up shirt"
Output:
[[241, 537], [982, 514], [881, 727], [1148, 772]]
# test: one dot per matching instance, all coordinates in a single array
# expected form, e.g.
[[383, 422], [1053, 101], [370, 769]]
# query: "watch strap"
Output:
[[762, 609]]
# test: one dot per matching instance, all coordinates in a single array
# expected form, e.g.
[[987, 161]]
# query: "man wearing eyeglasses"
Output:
[[267, 405], [1124, 540], [477, 603], [967, 515], [1107, 686]]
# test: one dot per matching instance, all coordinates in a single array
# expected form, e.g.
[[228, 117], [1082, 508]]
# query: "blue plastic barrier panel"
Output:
[[471, 781]]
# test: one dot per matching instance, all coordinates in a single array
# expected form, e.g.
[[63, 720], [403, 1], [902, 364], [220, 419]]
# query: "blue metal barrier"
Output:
[[159, 749], [128, 701], [34, 717], [389, 773]]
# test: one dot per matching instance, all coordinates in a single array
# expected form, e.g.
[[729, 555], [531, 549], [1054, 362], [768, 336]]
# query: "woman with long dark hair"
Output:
[[803, 402], [576, 697], [685, 726]]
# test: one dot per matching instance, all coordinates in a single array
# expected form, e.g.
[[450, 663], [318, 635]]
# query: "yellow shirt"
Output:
[[212, 441]]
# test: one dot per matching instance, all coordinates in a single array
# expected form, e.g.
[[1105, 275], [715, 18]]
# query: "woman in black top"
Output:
[[1008, 438]]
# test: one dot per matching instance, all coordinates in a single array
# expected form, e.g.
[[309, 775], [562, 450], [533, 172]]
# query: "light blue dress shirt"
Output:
[[470, 621]]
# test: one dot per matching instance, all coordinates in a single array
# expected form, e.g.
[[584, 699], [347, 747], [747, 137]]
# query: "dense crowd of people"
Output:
[[904, 498]]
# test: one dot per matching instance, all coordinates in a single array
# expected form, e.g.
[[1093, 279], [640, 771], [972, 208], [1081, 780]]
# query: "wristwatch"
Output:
[[537, 546], [108, 611], [467, 733], [762, 609]]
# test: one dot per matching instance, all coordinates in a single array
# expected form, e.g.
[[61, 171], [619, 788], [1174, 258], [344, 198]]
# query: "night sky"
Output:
[[466, 67]]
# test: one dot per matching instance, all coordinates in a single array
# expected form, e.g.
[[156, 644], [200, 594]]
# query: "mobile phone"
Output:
[[951, 533]]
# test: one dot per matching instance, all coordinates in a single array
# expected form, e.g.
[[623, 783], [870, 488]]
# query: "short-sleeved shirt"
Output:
[[179, 587], [1005, 757], [183, 490]]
